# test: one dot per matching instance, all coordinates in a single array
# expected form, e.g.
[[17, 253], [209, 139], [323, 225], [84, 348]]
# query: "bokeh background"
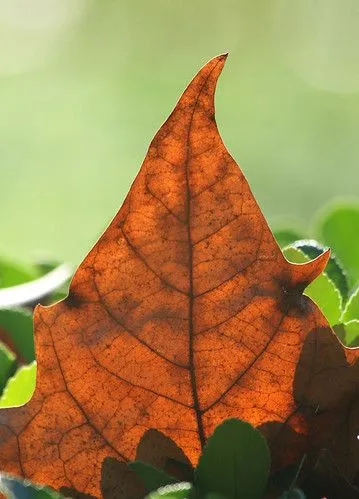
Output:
[[85, 84]]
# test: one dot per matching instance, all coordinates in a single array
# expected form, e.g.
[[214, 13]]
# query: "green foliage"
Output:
[[19, 387], [235, 462], [287, 236], [351, 310], [7, 365], [13, 273], [177, 491], [17, 351], [322, 291], [338, 227], [17, 324], [16, 488], [334, 270], [17, 357], [151, 477], [336, 291]]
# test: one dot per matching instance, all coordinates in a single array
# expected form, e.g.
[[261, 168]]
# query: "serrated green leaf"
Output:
[[176, 491], [7, 365], [285, 237], [351, 310], [338, 227], [17, 488], [17, 324], [151, 477], [334, 269], [14, 273], [235, 462], [322, 290], [19, 387]]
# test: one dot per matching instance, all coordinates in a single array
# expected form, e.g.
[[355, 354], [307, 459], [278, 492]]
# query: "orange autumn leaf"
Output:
[[184, 313]]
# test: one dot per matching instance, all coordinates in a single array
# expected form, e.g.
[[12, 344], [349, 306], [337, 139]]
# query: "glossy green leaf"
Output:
[[287, 236], [151, 477], [19, 387], [176, 491], [322, 291], [351, 310], [338, 227], [16, 324], [13, 273], [334, 269], [235, 462], [17, 488], [7, 365]]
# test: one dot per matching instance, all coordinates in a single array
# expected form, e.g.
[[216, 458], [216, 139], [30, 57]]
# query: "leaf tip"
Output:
[[305, 273]]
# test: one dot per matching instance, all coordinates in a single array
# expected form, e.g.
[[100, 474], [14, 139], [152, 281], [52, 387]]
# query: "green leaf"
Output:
[[334, 269], [338, 227], [235, 462], [33, 292], [17, 325], [20, 387], [352, 333], [176, 491], [151, 477], [348, 333], [14, 273], [46, 266], [285, 237], [351, 310], [322, 290], [7, 365], [17, 488]]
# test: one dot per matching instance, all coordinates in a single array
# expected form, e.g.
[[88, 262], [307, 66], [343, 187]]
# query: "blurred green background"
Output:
[[84, 85]]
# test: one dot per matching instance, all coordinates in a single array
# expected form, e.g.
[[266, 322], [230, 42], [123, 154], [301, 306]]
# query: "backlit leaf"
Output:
[[183, 314]]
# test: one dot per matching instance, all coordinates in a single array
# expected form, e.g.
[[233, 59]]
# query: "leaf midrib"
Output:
[[193, 380]]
